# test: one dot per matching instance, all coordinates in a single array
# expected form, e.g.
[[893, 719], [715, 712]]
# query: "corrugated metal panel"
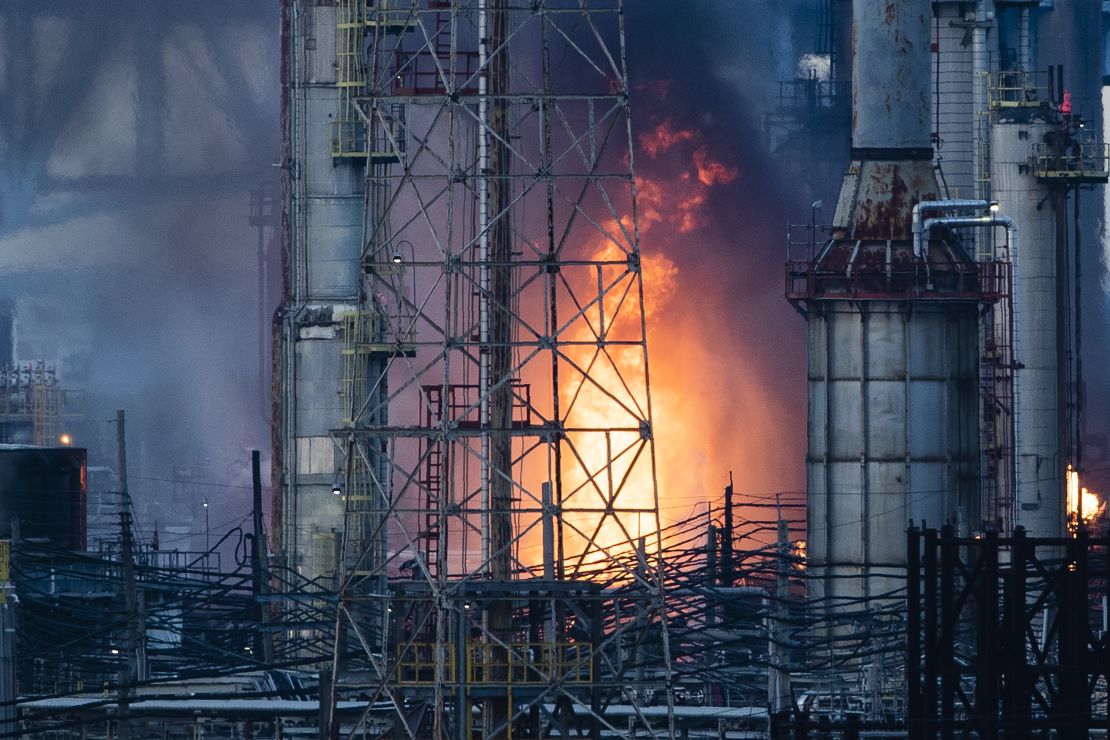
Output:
[[892, 421], [315, 456]]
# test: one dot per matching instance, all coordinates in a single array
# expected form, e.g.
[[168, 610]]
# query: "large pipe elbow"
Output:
[[952, 204]]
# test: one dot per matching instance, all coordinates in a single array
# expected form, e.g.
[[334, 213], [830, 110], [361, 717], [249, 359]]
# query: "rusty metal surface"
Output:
[[877, 199], [890, 81]]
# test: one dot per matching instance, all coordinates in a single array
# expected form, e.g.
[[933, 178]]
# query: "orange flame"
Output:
[[1081, 501], [711, 172], [697, 387], [800, 552], [663, 138]]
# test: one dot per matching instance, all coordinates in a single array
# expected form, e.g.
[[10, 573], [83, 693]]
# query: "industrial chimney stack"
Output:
[[893, 433], [891, 151]]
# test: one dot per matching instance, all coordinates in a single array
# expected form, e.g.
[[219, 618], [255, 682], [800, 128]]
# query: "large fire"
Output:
[[1083, 504], [709, 409]]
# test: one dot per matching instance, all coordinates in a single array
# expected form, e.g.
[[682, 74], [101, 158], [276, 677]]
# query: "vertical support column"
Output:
[[595, 663], [130, 673], [264, 642], [779, 678], [1072, 706], [462, 696], [914, 704], [929, 710], [1063, 346], [496, 386], [727, 564], [986, 601], [949, 618], [7, 669], [1015, 705]]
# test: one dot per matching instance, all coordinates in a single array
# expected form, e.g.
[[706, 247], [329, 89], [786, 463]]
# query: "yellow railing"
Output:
[[416, 663], [523, 663], [529, 663], [348, 132], [1084, 161], [349, 137], [1013, 89]]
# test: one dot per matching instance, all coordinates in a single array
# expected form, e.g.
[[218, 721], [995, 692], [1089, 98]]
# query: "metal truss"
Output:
[[499, 455], [1005, 634]]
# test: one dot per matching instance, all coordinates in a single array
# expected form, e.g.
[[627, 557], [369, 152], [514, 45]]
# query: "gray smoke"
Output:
[[131, 134]]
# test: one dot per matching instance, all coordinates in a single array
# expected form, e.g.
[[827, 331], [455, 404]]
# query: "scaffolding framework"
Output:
[[498, 452]]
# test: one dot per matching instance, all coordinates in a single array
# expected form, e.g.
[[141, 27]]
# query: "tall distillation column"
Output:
[[1039, 505], [892, 340], [322, 241]]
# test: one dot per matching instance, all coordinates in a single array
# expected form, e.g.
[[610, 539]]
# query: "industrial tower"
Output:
[[466, 434], [943, 314]]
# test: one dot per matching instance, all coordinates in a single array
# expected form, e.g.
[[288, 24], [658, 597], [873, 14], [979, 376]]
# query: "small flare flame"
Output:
[[1082, 502], [800, 552]]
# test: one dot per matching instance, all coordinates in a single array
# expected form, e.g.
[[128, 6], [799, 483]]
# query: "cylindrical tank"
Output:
[[1039, 503], [893, 433]]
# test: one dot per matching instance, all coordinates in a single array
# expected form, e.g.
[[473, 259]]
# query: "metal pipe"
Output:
[[979, 68], [955, 204], [996, 219]]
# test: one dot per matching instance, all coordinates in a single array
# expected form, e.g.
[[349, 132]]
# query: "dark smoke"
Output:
[[720, 64], [132, 132]]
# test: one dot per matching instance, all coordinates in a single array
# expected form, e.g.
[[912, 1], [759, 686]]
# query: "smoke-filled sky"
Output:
[[728, 372], [130, 135], [132, 132]]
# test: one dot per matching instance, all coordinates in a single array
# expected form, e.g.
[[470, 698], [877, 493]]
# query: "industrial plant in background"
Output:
[[466, 539]]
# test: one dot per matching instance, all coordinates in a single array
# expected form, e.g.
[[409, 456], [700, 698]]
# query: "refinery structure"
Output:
[[462, 532]]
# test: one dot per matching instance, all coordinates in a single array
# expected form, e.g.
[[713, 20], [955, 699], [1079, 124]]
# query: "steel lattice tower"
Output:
[[501, 526]]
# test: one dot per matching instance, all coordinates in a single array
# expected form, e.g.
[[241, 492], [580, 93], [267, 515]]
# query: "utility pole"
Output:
[[711, 556], [778, 688], [260, 557], [129, 675], [728, 574], [711, 599], [7, 637]]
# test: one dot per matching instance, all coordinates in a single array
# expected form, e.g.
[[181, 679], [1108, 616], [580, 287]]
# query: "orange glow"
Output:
[[710, 411], [663, 138], [1081, 499], [65, 440], [711, 172], [800, 554]]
